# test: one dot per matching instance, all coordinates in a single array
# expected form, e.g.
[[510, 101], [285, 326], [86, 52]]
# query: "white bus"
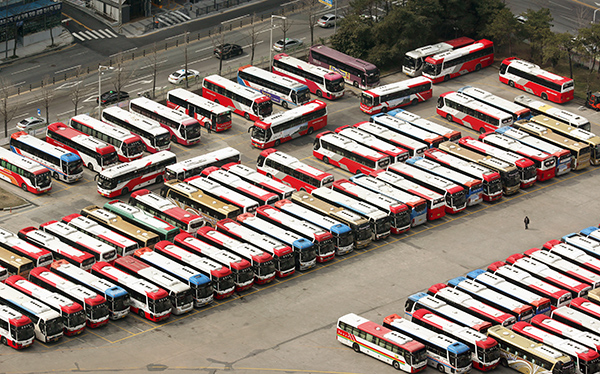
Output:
[[82, 241], [236, 183], [194, 166], [282, 90], [218, 191], [425, 124], [518, 112], [259, 180], [16, 329], [538, 107], [364, 138], [211, 115], [414, 147], [24, 173]]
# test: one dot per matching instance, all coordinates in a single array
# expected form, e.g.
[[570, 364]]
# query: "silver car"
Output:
[[30, 123], [289, 44], [328, 20]]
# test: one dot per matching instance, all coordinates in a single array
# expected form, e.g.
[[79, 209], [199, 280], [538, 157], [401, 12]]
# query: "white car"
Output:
[[180, 75], [289, 44], [328, 20], [30, 123]]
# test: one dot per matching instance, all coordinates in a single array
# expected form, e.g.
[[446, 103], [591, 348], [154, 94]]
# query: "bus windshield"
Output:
[[336, 85], [373, 76], [432, 69], [592, 366], [76, 319], [224, 117], [564, 368], [99, 311], [418, 356], [42, 180], [366, 99], [111, 158], [364, 232], [460, 361], [489, 354], [106, 183], [73, 167], [162, 140], [184, 298], [456, 199], [267, 268], [302, 96], [52, 327], [265, 108], [411, 62], [383, 225], [25, 332], [259, 134], [133, 148], [160, 305], [191, 131], [345, 239], [121, 302]]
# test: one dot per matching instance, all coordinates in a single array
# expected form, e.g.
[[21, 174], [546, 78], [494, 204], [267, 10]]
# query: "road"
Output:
[[569, 15]]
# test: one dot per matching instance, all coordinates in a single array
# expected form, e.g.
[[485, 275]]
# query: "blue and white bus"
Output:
[[282, 90], [63, 165], [588, 241]]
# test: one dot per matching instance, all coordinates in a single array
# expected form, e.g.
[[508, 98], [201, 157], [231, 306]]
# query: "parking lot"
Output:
[[288, 325]]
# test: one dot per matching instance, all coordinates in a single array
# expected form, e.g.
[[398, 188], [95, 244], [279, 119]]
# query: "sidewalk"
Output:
[[61, 40]]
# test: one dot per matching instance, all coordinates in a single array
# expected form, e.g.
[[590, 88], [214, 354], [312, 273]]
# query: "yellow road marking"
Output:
[[76, 21]]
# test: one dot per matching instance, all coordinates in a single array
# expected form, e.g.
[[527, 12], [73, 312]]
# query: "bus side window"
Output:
[[409, 305], [260, 160]]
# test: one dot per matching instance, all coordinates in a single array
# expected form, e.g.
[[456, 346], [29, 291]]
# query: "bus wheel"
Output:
[[216, 101], [284, 104], [544, 96], [160, 179], [355, 84], [384, 110], [441, 368], [173, 139], [414, 102], [141, 313], [356, 347], [478, 67], [503, 362], [24, 187], [319, 93], [482, 130], [4, 341], [269, 175], [446, 78], [247, 116], [310, 130], [124, 191], [449, 117], [90, 166], [325, 159], [511, 83], [396, 365], [55, 175], [277, 142]]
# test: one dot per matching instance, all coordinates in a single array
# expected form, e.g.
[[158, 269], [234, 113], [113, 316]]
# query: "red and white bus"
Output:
[[574, 255], [59, 249], [220, 276], [147, 300], [402, 127], [259, 180], [586, 306], [211, 115], [129, 147], [320, 81], [236, 183], [124, 178], [17, 330], [545, 163], [218, 191], [155, 137], [484, 349], [194, 166], [527, 169], [283, 254], [95, 154], [24, 173], [436, 206], [72, 313], [94, 305], [348, 155], [531, 78], [368, 140], [241, 269], [290, 171], [165, 210], [282, 90], [244, 101], [568, 332], [490, 179], [414, 60], [183, 128], [587, 240], [39, 256], [284, 126], [518, 112], [427, 125], [481, 117], [451, 64], [557, 263], [395, 95], [414, 147], [576, 318], [398, 212]]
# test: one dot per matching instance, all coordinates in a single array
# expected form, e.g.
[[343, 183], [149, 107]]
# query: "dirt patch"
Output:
[[8, 200]]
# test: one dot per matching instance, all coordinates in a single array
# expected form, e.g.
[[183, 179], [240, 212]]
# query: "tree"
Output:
[[588, 44], [47, 95], [354, 37], [559, 46], [76, 90], [121, 75], [311, 7], [286, 25], [154, 64], [537, 30], [8, 108], [253, 37], [503, 30]]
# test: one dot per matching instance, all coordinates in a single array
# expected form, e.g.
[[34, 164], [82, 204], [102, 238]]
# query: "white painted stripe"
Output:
[[182, 14], [85, 35], [109, 32], [78, 37], [174, 17], [90, 33], [105, 35], [160, 19], [94, 32]]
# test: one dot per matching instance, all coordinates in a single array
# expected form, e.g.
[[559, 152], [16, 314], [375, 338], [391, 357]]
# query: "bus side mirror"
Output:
[[250, 128]]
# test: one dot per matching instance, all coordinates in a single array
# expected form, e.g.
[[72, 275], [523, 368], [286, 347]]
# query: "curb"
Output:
[[16, 207]]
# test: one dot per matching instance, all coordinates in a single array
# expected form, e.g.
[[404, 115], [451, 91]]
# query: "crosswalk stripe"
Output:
[[85, 35], [183, 15], [94, 32], [164, 21], [173, 18], [110, 33], [78, 37], [89, 33], [104, 35]]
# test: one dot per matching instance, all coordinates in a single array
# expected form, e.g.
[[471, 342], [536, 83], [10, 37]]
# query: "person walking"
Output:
[[526, 221]]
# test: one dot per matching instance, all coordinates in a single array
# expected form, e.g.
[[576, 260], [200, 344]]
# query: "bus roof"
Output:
[[327, 74], [351, 145], [198, 100], [344, 58], [535, 69], [235, 87], [392, 87], [449, 55], [84, 139], [285, 81], [294, 163], [281, 117], [124, 168]]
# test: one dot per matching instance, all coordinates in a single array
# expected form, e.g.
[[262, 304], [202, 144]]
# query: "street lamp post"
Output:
[[594, 19], [271, 41], [101, 68]]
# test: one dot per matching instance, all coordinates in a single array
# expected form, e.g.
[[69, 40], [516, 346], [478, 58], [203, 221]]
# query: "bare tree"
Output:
[[8, 108], [286, 25], [77, 89], [154, 64], [47, 95], [122, 76], [185, 56], [253, 37], [218, 41], [311, 9]]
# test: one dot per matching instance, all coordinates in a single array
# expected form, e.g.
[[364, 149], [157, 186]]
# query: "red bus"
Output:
[[39, 256], [557, 263], [368, 140], [414, 60], [451, 64], [531, 78], [242, 100], [568, 332], [239, 185], [211, 115], [586, 306], [23, 172], [259, 180], [290, 171], [396, 95], [17, 330], [414, 147], [573, 254], [469, 112]]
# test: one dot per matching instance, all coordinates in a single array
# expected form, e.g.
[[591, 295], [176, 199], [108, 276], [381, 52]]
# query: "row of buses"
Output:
[[537, 312]]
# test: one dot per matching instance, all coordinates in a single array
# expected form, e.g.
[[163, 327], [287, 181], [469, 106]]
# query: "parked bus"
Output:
[[194, 166], [524, 355], [59, 249], [574, 255], [241, 269], [262, 262], [116, 223], [560, 115], [142, 219], [414, 147], [94, 305], [47, 323], [321, 82], [396, 95], [489, 179], [220, 276], [17, 330], [212, 116], [370, 141], [485, 355], [304, 250], [129, 147], [14, 264], [563, 266], [80, 240], [290, 171], [252, 176], [117, 299], [283, 254], [72, 313], [22, 172], [425, 124], [451, 64], [580, 151], [359, 73], [391, 347], [398, 212], [64, 165], [95, 154], [197, 202], [414, 61], [402, 127], [282, 90], [472, 186], [124, 178], [165, 210], [182, 128], [242, 100], [473, 114], [153, 135], [588, 240], [239, 185], [38, 256], [518, 112], [586, 306], [526, 167], [220, 192], [322, 240], [360, 226], [576, 318], [443, 353], [3, 274], [531, 78], [540, 305], [284, 126], [146, 299], [567, 332]]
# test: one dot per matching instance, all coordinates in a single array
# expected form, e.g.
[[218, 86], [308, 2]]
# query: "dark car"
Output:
[[228, 50], [113, 97]]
